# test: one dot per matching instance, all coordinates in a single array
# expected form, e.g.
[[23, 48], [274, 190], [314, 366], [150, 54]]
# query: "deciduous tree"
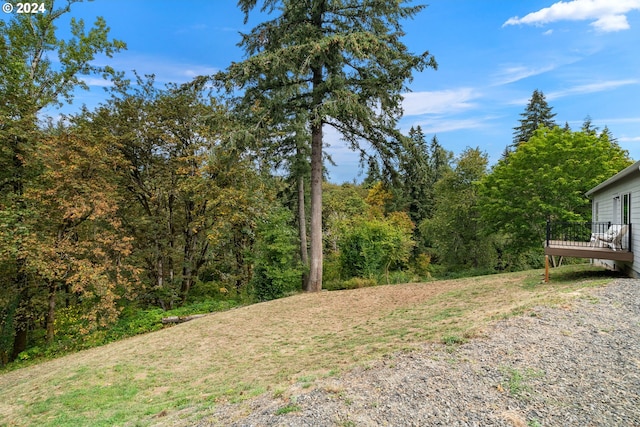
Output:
[[37, 70], [546, 178]]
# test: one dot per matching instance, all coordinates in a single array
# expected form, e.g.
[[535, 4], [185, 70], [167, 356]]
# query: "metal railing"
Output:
[[589, 234]]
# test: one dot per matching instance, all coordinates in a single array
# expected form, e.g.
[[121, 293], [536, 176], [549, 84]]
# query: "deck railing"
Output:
[[586, 234]]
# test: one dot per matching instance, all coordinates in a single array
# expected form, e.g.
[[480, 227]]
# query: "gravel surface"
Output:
[[576, 365]]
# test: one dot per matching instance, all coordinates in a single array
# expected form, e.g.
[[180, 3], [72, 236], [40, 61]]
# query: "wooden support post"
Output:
[[546, 269]]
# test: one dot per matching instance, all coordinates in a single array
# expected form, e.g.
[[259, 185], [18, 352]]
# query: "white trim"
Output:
[[622, 174]]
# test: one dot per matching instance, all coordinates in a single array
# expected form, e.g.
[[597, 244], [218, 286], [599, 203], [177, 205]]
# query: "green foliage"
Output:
[[39, 70], [517, 380], [133, 321], [546, 178], [453, 340], [455, 230], [8, 306], [422, 265], [277, 271], [536, 115], [287, 409], [371, 246], [418, 175], [138, 321], [340, 204], [352, 283], [320, 63]]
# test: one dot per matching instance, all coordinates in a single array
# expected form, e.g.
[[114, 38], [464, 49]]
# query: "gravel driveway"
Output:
[[576, 365]]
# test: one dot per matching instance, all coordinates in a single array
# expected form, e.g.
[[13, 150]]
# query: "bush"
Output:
[[422, 265], [277, 272], [370, 247], [353, 283]]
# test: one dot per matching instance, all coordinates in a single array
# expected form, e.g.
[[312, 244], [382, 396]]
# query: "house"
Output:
[[610, 239], [617, 200]]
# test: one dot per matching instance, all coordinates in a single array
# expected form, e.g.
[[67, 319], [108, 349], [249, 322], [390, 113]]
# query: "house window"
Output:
[[626, 208], [596, 212]]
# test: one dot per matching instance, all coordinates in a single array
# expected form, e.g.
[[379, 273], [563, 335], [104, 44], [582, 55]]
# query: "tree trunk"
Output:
[[180, 319], [22, 316], [315, 268], [21, 319], [302, 224], [51, 313]]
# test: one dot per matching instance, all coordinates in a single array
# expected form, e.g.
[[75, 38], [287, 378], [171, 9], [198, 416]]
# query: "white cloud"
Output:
[[96, 81], [629, 139], [608, 15], [440, 125], [514, 73], [590, 88], [611, 23], [580, 90], [623, 120], [438, 102], [166, 70]]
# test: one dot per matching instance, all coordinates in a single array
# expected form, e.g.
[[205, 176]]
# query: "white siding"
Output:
[[604, 197]]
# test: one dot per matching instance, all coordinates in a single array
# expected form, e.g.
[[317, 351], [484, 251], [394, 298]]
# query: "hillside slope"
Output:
[[245, 352]]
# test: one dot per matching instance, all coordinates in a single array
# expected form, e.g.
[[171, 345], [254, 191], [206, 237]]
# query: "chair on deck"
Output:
[[612, 238]]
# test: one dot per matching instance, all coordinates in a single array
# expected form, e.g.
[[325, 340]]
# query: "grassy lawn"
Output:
[[185, 370]]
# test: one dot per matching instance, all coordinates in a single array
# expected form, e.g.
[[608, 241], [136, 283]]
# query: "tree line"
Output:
[[216, 189]]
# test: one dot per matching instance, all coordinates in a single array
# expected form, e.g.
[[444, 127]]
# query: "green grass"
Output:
[[517, 381], [181, 373], [287, 409]]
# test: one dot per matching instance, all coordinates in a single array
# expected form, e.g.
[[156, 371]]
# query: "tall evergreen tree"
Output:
[[588, 127], [328, 62], [440, 159], [536, 114], [455, 229], [417, 175], [373, 175]]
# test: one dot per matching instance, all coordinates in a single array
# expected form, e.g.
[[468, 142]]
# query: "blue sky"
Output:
[[583, 55]]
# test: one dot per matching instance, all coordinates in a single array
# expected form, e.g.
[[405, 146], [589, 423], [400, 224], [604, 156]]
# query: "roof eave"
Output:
[[622, 174]]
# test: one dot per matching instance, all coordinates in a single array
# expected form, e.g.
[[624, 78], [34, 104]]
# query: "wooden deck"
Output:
[[585, 250]]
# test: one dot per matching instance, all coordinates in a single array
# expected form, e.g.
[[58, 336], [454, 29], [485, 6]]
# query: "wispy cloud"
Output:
[[440, 125], [166, 70], [96, 81], [629, 139], [607, 15], [514, 73], [590, 88], [438, 102], [195, 28], [622, 120], [579, 90]]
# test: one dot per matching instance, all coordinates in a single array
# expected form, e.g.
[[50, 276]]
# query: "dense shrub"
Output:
[[372, 246], [277, 272]]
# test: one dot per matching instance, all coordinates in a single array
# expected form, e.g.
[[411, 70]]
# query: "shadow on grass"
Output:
[[584, 272]]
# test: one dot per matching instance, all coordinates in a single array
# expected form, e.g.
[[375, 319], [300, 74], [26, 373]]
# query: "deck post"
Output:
[[546, 269]]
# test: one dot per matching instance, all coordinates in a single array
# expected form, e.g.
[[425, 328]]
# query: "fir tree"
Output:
[[537, 114], [334, 63]]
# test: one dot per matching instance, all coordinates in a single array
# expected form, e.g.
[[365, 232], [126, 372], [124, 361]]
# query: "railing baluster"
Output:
[[583, 234]]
